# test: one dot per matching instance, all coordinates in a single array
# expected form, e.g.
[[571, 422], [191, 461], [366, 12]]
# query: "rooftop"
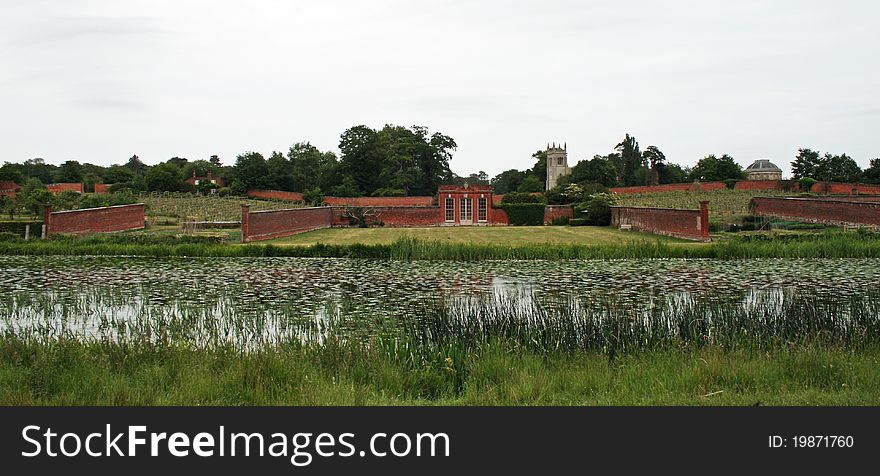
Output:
[[763, 165]]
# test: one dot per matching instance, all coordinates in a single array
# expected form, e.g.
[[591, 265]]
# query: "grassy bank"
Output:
[[829, 244], [70, 372]]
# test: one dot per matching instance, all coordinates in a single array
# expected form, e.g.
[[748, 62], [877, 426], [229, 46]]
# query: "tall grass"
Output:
[[829, 244]]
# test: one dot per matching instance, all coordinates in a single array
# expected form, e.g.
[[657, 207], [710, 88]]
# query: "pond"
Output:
[[251, 302]]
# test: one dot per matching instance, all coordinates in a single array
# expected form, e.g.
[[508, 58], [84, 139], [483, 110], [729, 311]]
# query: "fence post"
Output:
[[245, 212], [704, 219], [27, 232], [47, 220]]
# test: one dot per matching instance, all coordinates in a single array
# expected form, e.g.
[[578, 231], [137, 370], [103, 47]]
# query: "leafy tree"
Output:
[[252, 171], [805, 164], [136, 166], [200, 168], [507, 181], [165, 177], [38, 168], [531, 184], [33, 196], [596, 170], [539, 170], [215, 161], [11, 172], [311, 167], [838, 168], [655, 159], [280, 172], [69, 172], [180, 162], [715, 169], [672, 173], [313, 197], [630, 160], [348, 188], [872, 173]]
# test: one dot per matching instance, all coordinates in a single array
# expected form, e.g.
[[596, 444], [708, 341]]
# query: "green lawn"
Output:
[[502, 235]]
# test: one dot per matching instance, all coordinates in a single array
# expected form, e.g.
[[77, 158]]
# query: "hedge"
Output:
[[524, 214]]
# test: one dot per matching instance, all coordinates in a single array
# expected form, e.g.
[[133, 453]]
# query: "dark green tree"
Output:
[[69, 172], [280, 172], [713, 169], [838, 168], [252, 171], [531, 184], [872, 173], [630, 161], [655, 159], [805, 164], [507, 181], [165, 177]]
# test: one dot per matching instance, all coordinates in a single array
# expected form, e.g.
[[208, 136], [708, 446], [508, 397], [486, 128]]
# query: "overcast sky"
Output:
[[98, 81]]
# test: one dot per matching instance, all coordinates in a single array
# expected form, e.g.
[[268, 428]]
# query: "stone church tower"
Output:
[[557, 163]]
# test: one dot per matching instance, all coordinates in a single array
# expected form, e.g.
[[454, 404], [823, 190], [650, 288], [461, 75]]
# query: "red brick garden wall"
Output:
[[835, 188], [553, 212], [256, 226], [102, 188], [688, 224], [399, 217], [61, 187], [759, 185], [835, 212], [275, 195], [95, 220]]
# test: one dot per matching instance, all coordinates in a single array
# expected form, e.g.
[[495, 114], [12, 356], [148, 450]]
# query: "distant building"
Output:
[[210, 178], [763, 169], [9, 189], [557, 164]]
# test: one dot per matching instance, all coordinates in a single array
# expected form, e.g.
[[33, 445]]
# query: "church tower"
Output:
[[557, 163]]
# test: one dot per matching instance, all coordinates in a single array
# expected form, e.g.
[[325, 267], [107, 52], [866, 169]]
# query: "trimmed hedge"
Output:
[[524, 214]]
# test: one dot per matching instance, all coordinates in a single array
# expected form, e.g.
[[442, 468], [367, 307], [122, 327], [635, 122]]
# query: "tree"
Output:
[[38, 168], [596, 170], [33, 196], [872, 173], [136, 166], [311, 167], [201, 168], [531, 184], [655, 159], [539, 170], [69, 172], [280, 172], [715, 169], [630, 160], [838, 168], [672, 173], [507, 181], [215, 161], [252, 171], [165, 177], [11, 172], [805, 164]]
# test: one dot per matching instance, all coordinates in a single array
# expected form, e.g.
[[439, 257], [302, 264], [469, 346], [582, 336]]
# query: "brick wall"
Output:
[[553, 212], [835, 188], [256, 226], [275, 195], [398, 217], [61, 187], [380, 201], [835, 211], [102, 188], [759, 185], [688, 224], [499, 217], [95, 220]]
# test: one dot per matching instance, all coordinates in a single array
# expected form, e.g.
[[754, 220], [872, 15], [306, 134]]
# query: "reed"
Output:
[[828, 244]]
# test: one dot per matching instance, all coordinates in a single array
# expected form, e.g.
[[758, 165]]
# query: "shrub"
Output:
[[520, 197], [577, 222], [524, 214], [730, 183], [6, 236], [597, 209], [389, 192], [314, 197], [806, 184], [560, 221]]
